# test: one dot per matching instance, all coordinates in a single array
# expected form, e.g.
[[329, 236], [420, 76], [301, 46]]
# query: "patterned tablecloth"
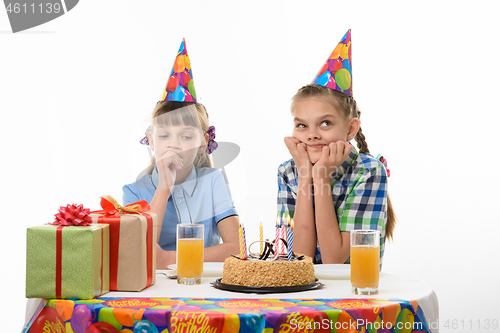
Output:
[[183, 315], [404, 305]]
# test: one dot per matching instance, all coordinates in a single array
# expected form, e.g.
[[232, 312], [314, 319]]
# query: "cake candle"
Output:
[[261, 236], [284, 223], [242, 242], [290, 241], [277, 239]]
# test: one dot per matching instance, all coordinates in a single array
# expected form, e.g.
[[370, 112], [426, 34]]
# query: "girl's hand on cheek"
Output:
[[167, 166], [332, 157], [298, 150]]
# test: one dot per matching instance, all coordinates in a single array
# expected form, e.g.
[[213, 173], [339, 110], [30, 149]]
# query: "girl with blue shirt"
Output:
[[180, 184], [182, 187]]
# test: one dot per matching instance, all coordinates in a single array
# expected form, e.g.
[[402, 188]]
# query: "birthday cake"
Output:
[[268, 273]]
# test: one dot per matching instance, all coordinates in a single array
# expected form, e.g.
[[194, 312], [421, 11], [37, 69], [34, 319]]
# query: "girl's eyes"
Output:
[[184, 137], [324, 123]]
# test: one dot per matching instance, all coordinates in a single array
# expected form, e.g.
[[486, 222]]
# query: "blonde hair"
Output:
[[347, 105], [192, 114]]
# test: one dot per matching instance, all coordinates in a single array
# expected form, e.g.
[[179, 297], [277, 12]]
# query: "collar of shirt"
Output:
[[188, 185]]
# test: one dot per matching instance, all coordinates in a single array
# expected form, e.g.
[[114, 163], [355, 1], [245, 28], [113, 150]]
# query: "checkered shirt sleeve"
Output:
[[287, 188], [366, 201]]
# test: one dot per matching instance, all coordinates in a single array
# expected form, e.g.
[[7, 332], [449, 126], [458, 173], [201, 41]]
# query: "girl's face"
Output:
[[318, 123], [185, 141]]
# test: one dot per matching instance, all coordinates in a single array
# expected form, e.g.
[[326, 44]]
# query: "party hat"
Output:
[[336, 72], [180, 84]]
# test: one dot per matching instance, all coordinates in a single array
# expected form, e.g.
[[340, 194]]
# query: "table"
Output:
[[231, 310]]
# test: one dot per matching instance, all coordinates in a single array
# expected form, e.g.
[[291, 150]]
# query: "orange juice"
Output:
[[189, 257], [365, 266]]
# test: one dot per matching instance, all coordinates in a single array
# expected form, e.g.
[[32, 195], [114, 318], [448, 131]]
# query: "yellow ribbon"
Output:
[[111, 206]]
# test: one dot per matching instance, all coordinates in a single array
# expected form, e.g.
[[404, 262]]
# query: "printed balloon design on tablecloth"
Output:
[[63, 307], [229, 315], [336, 72], [157, 317], [251, 324], [200, 302], [89, 301], [101, 327], [144, 326], [180, 84], [48, 321], [407, 318], [128, 317], [231, 323], [81, 319], [106, 315], [272, 318], [333, 314]]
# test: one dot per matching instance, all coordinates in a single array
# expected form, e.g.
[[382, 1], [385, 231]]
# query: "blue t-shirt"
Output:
[[204, 197]]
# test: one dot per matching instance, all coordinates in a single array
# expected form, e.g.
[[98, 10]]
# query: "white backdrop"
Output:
[[76, 94]]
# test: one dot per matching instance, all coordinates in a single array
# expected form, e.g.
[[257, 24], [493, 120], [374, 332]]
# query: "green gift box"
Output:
[[67, 261]]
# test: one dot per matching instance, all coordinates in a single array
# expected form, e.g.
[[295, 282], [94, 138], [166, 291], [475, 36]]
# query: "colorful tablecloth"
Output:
[[196, 315]]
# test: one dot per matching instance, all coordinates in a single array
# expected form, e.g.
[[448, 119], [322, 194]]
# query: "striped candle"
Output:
[[242, 242], [276, 241], [261, 236], [290, 241], [284, 223]]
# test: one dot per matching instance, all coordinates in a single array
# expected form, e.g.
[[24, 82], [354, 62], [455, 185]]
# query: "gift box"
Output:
[[67, 261], [132, 257]]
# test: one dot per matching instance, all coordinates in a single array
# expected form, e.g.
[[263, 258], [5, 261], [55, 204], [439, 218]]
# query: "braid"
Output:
[[361, 143], [360, 137]]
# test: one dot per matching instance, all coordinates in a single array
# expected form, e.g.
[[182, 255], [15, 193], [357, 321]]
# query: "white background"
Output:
[[76, 94]]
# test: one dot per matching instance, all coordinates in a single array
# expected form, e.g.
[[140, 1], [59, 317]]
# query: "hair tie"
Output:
[[384, 162], [145, 140], [212, 144]]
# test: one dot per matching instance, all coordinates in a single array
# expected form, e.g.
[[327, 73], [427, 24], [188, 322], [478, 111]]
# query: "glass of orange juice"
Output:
[[365, 261], [189, 253]]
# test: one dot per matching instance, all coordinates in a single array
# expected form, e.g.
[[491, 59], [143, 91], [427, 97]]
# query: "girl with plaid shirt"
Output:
[[328, 186]]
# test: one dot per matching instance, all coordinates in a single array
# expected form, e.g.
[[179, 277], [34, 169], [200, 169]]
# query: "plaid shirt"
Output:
[[359, 192]]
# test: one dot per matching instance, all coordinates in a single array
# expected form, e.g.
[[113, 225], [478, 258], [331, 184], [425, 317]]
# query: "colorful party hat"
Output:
[[180, 84], [336, 72]]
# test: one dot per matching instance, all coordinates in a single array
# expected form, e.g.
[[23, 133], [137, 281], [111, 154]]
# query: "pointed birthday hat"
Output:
[[180, 84], [336, 72]]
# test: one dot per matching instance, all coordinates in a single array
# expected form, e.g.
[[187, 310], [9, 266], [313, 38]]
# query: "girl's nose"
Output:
[[174, 143], [313, 135]]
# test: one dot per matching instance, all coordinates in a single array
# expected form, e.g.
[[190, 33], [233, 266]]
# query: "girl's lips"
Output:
[[317, 146]]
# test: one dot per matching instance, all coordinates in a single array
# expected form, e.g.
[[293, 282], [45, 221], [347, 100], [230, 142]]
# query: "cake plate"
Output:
[[266, 290]]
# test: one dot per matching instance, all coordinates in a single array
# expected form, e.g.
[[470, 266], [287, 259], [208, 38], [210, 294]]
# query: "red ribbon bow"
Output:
[[73, 215], [111, 207]]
